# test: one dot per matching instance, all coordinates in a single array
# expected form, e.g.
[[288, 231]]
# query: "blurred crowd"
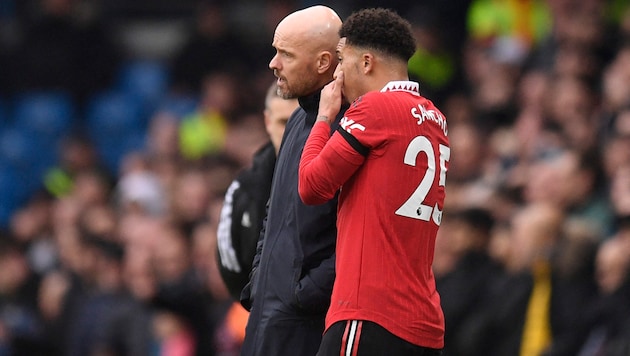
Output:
[[109, 207]]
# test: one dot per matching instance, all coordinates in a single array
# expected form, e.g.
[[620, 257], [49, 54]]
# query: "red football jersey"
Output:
[[389, 157]]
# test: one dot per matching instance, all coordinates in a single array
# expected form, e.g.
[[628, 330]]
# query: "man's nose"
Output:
[[273, 63]]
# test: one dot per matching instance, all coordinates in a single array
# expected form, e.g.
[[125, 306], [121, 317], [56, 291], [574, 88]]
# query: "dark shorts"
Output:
[[365, 338]]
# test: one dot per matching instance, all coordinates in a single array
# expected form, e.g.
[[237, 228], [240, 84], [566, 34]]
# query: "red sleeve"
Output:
[[325, 165]]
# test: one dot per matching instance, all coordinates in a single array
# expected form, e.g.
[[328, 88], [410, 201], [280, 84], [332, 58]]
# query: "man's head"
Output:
[[277, 113], [305, 44], [374, 48]]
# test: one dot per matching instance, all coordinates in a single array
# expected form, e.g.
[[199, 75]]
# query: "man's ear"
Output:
[[324, 61], [368, 62]]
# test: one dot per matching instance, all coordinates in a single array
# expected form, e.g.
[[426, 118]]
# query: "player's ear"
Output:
[[368, 62], [324, 61]]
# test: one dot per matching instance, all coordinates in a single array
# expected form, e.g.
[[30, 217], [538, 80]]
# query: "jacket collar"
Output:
[[310, 104]]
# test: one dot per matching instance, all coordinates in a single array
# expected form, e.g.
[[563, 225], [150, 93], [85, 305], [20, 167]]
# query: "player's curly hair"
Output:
[[380, 29]]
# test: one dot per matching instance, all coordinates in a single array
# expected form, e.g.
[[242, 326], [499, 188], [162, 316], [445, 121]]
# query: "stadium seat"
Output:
[[21, 171], [112, 114], [111, 152], [17, 148], [25, 153], [146, 80], [179, 105], [115, 120], [9, 194], [16, 187], [48, 115]]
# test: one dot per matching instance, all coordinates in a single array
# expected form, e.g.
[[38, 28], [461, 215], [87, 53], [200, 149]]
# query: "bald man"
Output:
[[294, 267]]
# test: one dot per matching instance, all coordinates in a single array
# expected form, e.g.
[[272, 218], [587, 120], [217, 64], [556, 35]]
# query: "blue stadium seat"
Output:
[[25, 153], [114, 121], [16, 187], [9, 195], [146, 80], [112, 152], [179, 105], [4, 114], [112, 114], [18, 148], [21, 171], [47, 114]]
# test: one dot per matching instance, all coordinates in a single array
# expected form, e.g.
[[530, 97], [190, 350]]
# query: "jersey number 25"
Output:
[[414, 207]]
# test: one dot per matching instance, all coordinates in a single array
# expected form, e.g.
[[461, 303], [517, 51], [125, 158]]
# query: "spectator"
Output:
[[140, 191], [471, 183], [605, 321], [473, 275], [615, 95], [620, 194], [162, 138], [19, 320], [181, 301], [190, 199], [433, 64], [533, 305], [31, 229], [572, 111], [107, 319], [203, 132], [76, 154], [53, 304], [570, 180]]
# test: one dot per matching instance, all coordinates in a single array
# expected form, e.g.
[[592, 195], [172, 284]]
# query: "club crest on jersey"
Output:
[[350, 125]]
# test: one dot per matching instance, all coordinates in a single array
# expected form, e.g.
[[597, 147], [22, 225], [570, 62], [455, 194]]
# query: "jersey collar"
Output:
[[402, 85]]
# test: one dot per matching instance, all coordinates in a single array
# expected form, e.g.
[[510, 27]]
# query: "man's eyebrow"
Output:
[[282, 50]]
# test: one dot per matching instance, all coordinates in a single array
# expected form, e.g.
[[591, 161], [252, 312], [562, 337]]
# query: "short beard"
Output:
[[306, 87], [283, 95]]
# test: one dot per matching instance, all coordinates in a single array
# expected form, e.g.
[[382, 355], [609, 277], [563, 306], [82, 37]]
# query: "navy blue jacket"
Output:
[[294, 267]]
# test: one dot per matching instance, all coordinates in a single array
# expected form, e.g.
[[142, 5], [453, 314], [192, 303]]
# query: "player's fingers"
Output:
[[332, 88], [339, 78], [338, 82]]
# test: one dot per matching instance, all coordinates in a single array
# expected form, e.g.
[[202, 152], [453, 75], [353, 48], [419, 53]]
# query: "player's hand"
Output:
[[331, 98]]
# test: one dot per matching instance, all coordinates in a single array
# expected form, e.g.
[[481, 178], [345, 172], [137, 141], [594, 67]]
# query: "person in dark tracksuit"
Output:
[[294, 267], [244, 207]]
